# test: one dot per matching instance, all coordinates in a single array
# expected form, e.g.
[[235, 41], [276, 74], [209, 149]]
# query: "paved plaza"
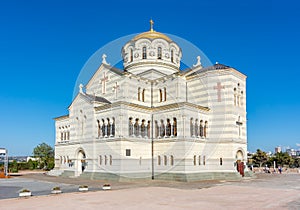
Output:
[[266, 191]]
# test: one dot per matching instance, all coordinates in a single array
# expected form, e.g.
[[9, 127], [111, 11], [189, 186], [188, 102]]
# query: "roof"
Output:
[[97, 98], [216, 66], [152, 35]]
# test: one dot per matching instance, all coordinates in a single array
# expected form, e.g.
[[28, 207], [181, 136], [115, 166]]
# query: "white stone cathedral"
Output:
[[152, 120]]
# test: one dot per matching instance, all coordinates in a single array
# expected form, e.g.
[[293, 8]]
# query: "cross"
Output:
[[103, 81], [219, 87], [81, 119], [151, 25], [239, 123], [116, 87]]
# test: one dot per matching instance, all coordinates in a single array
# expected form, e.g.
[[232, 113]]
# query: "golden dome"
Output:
[[152, 34]]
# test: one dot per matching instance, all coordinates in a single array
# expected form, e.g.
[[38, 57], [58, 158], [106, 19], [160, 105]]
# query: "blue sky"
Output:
[[44, 45]]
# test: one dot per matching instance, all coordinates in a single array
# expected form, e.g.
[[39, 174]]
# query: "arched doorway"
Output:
[[80, 162], [240, 162]]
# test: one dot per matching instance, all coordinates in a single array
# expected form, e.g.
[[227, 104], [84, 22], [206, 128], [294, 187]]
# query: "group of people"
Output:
[[267, 169]]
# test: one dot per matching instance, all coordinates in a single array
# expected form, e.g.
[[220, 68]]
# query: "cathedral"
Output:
[[152, 120]]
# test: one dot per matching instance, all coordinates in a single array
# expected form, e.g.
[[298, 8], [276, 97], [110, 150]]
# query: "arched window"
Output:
[[172, 160], [165, 93], [165, 160], [168, 128], [103, 128], [195, 160], [196, 128], [110, 160], [105, 160], [159, 53], [136, 127], [100, 160], [99, 128], [156, 129], [113, 128], [160, 95], [234, 92], [162, 128], [201, 128], [192, 127], [130, 125], [143, 95], [172, 56], [199, 160], [144, 53], [143, 128], [174, 126], [148, 129], [108, 127], [205, 128], [61, 136], [241, 98], [204, 161], [158, 160], [221, 161], [139, 94], [68, 135], [131, 55]]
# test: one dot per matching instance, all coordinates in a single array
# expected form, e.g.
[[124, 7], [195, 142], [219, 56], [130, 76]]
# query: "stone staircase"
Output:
[[55, 172]]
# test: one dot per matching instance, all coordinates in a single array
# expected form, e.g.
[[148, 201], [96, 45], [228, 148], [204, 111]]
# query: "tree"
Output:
[[45, 153], [260, 158], [282, 159]]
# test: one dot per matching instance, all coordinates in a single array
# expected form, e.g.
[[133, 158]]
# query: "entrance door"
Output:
[[80, 163], [240, 167]]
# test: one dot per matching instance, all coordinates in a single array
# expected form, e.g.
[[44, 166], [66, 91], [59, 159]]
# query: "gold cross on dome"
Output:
[[151, 25]]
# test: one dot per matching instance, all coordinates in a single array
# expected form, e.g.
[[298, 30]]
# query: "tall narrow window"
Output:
[[100, 160], [204, 161], [160, 95], [105, 160], [172, 160], [131, 55], [174, 126], [110, 160], [143, 95], [113, 128], [139, 94], [165, 93], [165, 160], [234, 90], [199, 160], [172, 56], [144, 53], [242, 98], [168, 128], [136, 127], [159, 53], [221, 161], [130, 125], [201, 128], [205, 128], [158, 160], [192, 127], [195, 160]]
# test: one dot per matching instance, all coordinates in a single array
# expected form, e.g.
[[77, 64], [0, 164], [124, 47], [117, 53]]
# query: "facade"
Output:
[[151, 120]]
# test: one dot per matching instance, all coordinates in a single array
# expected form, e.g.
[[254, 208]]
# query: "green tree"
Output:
[[282, 159], [45, 153], [260, 158]]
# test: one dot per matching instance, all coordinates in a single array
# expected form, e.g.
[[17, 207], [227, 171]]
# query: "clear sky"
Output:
[[44, 45]]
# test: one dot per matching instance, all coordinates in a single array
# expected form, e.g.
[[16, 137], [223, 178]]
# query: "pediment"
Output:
[[152, 74]]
